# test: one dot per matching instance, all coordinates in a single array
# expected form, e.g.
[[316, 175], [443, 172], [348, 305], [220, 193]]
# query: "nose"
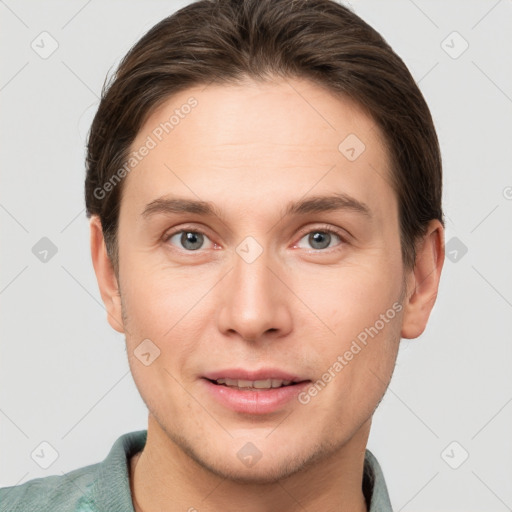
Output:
[[254, 301]]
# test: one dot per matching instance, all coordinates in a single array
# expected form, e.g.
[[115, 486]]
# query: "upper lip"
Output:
[[252, 375]]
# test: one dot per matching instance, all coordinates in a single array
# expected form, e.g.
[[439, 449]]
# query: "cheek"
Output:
[[349, 299], [158, 297], [356, 367], [361, 321], [169, 308], [163, 324]]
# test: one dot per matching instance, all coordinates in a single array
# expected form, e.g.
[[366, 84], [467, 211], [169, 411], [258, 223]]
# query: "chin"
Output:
[[270, 465], [263, 472]]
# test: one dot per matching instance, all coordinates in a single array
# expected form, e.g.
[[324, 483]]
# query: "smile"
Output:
[[258, 392], [253, 384]]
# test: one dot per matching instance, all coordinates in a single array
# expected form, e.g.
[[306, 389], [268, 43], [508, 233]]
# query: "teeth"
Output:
[[278, 383], [254, 384], [262, 384]]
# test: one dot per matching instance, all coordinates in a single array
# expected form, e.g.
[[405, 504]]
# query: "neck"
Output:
[[164, 478]]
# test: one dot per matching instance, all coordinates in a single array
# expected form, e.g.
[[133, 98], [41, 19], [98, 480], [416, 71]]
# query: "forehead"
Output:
[[283, 112], [264, 140]]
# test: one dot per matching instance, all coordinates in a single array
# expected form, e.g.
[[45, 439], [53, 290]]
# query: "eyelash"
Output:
[[325, 229], [303, 233]]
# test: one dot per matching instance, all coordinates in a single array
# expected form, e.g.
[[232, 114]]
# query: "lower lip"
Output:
[[261, 401]]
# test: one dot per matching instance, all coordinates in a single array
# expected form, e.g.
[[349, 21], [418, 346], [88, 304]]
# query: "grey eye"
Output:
[[189, 240], [320, 239]]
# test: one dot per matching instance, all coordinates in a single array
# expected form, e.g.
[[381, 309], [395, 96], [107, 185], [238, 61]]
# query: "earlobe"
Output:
[[423, 281], [105, 275]]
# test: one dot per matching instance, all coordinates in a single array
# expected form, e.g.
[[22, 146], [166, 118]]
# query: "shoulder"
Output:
[[94, 488], [68, 492]]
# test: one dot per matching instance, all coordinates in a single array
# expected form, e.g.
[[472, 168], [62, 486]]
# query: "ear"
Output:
[[105, 275], [423, 281]]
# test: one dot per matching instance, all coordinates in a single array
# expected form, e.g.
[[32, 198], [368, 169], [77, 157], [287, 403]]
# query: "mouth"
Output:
[[259, 392], [254, 385]]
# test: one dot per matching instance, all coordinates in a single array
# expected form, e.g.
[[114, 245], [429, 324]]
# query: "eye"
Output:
[[320, 239], [190, 240]]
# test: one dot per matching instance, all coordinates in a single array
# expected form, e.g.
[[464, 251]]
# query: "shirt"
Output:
[[105, 486]]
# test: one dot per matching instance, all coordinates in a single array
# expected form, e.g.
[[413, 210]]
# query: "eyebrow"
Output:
[[315, 204]]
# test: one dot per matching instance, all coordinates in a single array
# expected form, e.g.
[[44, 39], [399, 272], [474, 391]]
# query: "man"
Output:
[[264, 188]]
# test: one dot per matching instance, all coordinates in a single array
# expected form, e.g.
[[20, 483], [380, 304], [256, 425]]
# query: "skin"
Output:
[[250, 149]]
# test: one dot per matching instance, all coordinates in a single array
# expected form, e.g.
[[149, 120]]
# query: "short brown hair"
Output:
[[226, 41]]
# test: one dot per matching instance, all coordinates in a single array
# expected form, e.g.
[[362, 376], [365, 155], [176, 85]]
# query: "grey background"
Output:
[[64, 376]]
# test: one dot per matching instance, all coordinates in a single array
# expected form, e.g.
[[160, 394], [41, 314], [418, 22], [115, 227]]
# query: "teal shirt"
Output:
[[105, 486]]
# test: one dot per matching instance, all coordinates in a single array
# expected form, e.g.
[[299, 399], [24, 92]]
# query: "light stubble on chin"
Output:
[[298, 463]]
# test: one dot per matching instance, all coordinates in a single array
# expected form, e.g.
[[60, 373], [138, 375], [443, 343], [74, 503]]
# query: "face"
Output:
[[288, 274]]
